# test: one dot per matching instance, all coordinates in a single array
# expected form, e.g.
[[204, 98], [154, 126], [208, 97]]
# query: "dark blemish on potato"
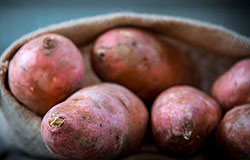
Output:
[[24, 68], [89, 119], [96, 139], [123, 104], [86, 116], [117, 139], [101, 56], [17, 85], [237, 125], [67, 105], [110, 109], [100, 125], [134, 43], [110, 132], [56, 121], [89, 144], [54, 134], [75, 137], [75, 99], [88, 141], [48, 43], [97, 105], [102, 119]]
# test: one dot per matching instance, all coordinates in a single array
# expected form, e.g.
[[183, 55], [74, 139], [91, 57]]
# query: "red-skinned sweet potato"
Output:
[[233, 87], [182, 117], [233, 133], [45, 71], [98, 122], [140, 61]]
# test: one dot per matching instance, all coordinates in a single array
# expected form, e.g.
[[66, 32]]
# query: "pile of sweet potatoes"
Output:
[[109, 120]]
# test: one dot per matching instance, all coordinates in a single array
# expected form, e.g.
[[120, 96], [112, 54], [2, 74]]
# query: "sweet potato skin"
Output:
[[136, 112], [233, 87], [101, 121], [45, 71], [140, 61], [182, 118], [233, 133]]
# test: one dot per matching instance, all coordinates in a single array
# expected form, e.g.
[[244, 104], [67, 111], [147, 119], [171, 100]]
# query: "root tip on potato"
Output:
[[56, 121], [101, 54], [187, 135], [48, 43]]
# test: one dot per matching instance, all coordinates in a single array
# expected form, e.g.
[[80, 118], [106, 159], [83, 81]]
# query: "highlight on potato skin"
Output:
[[100, 122], [233, 133], [140, 61], [182, 117], [45, 71], [233, 87]]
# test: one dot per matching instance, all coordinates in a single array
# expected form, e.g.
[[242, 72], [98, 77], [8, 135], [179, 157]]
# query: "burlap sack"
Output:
[[212, 48]]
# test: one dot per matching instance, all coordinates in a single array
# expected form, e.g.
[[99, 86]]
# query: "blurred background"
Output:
[[18, 17]]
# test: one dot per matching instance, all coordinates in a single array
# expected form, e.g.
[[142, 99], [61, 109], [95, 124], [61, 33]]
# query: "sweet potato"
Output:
[[45, 71], [140, 61], [233, 87], [98, 122], [233, 133], [182, 118]]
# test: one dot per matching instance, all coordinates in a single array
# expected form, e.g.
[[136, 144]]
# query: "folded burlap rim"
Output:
[[23, 126]]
